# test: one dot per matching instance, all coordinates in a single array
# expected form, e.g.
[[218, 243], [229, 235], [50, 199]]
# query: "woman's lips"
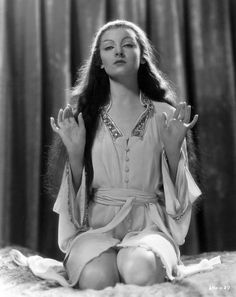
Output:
[[120, 62]]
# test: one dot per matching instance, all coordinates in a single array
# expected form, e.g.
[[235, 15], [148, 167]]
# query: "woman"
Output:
[[126, 194]]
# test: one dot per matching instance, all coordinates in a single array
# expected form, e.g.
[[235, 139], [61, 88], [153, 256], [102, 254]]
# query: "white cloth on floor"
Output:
[[53, 270]]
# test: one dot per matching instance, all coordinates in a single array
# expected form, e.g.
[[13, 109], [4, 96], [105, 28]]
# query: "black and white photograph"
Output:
[[117, 148]]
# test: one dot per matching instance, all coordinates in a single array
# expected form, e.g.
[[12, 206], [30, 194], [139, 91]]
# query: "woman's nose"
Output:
[[119, 52]]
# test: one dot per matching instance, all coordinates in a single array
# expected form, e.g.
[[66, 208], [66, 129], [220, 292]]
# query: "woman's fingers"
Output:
[[67, 113], [53, 125], [59, 117], [194, 121], [187, 114], [164, 121], [183, 114], [81, 120], [177, 110], [66, 120], [182, 111], [64, 115]]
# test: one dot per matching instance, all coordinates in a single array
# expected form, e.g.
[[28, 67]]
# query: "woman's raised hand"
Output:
[[174, 130], [72, 133]]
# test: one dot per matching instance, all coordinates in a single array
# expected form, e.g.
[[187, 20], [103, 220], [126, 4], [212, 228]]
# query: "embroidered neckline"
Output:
[[140, 126]]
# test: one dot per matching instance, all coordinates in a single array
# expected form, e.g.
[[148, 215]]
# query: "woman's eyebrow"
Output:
[[126, 37], [129, 37], [106, 40]]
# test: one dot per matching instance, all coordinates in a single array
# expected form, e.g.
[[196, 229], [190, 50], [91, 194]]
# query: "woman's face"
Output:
[[120, 52]]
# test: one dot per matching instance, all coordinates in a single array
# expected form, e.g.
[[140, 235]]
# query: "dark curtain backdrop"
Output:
[[42, 44]]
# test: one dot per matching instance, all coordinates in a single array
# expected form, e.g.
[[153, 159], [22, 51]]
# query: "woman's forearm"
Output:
[[76, 164], [173, 161]]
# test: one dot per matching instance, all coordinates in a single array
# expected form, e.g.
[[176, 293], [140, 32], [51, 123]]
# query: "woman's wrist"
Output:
[[173, 152], [76, 158], [173, 157], [76, 153]]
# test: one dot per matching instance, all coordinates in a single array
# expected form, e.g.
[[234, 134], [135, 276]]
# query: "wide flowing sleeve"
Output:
[[179, 197], [71, 208]]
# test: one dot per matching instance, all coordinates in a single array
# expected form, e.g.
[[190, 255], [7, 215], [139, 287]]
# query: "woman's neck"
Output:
[[125, 93]]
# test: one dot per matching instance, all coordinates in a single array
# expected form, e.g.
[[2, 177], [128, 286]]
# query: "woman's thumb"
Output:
[[164, 119]]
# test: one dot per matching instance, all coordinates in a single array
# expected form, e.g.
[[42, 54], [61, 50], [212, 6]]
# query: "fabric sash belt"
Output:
[[119, 197], [125, 198]]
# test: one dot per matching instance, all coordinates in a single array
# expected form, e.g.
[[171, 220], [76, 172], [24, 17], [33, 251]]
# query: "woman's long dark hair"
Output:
[[91, 93]]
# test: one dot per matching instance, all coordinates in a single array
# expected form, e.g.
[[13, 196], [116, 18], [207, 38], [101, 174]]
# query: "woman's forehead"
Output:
[[114, 33]]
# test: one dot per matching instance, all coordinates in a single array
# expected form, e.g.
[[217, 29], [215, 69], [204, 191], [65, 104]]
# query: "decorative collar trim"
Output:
[[140, 126]]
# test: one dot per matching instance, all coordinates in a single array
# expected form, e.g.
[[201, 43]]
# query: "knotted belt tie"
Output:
[[126, 198]]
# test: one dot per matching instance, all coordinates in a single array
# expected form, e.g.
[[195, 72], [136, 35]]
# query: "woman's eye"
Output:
[[107, 48], [129, 45]]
